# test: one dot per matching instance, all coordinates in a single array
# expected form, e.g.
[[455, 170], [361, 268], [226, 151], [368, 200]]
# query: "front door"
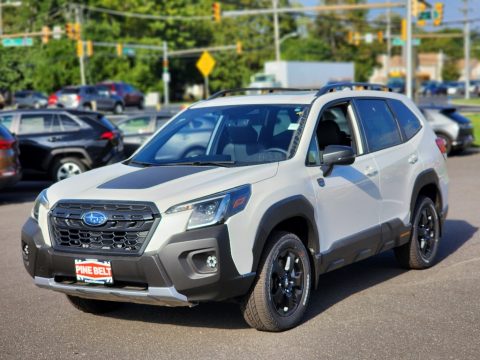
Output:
[[348, 199]]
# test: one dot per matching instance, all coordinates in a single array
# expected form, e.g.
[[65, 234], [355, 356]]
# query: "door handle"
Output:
[[413, 159], [53, 138], [370, 171]]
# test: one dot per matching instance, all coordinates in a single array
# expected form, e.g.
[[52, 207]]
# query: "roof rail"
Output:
[[352, 86], [268, 90]]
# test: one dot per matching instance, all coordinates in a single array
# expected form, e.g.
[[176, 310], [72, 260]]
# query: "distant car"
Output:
[[129, 95], [137, 129], [63, 143], [397, 85], [90, 98], [10, 169], [455, 87], [30, 99], [455, 129], [433, 88]]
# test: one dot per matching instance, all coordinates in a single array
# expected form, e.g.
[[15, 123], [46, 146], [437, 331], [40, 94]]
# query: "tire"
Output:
[[448, 142], [36, 105], [67, 167], [417, 253], [260, 308], [87, 107], [118, 109], [93, 306]]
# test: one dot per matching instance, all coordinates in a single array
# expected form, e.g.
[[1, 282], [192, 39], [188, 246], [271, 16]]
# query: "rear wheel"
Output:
[[420, 252], [118, 109], [281, 291], [87, 107], [67, 167], [93, 306]]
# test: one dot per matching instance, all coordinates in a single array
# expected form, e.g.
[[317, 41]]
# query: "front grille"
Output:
[[126, 231]]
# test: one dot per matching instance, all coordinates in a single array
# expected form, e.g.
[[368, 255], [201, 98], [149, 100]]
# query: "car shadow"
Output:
[[473, 150], [22, 192], [333, 288]]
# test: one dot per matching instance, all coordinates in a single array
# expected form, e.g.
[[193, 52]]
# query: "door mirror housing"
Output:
[[336, 155]]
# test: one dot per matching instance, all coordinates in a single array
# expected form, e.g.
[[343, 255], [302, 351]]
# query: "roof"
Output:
[[299, 98], [52, 110]]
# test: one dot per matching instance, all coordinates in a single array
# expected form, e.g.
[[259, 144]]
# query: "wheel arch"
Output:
[[67, 152], [294, 214]]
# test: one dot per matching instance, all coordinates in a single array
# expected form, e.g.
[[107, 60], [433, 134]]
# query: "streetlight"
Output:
[[286, 37]]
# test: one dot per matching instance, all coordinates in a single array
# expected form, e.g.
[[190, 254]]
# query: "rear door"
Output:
[[396, 159], [37, 135], [348, 200]]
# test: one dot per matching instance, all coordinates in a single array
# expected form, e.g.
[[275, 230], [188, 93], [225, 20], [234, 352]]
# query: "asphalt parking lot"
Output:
[[370, 310]]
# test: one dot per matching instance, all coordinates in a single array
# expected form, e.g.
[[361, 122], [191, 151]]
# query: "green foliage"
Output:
[[450, 71]]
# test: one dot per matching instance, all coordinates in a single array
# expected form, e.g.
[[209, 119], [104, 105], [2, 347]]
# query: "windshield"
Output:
[[228, 135]]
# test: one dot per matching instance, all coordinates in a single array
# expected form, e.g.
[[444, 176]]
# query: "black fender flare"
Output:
[[426, 177], [291, 207], [67, 150]]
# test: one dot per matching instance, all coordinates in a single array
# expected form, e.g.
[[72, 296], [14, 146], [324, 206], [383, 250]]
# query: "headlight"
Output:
[[41, 200], [214, 209]]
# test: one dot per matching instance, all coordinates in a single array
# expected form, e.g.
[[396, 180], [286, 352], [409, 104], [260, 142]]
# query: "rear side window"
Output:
[[406, 118], [381, 129], [68, 124], [70, 91], [37, 123], [6, 120]]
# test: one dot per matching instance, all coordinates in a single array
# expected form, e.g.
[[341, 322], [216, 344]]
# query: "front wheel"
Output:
[[67, 167], [118, 109], [420, 252], [281, 291]]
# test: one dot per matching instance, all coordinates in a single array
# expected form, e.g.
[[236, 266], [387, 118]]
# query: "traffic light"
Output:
[[69, 30], [422, 8], [217, 12], [404, 30], [77, 30], [119, 50], [89, 48], [239, 47], [350, 37], [415, 8], [356, 38], [80, 48], [380, 37], [45, 34], [439, 14]]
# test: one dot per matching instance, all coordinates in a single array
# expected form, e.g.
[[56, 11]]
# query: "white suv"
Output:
[[276, 190]]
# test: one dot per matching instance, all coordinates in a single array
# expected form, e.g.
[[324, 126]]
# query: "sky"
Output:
[[452, 9]]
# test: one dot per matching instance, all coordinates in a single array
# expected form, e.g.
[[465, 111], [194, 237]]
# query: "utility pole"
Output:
[[1, 19], [466, 45], [276, 30], [389, 41], [409, 52], [78, 20], [166, 75]]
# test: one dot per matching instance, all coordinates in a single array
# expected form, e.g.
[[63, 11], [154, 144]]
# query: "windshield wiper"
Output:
[[146, 164], [200, 163]]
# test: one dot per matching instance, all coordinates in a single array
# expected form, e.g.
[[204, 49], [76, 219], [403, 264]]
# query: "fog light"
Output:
[[212, 262]]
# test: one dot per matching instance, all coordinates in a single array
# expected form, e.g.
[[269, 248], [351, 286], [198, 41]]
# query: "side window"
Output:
[[68, 124], [313, 156], [36, 123], [334, 127], [135, 126], [381, 129], [406, 118], [7, 120]]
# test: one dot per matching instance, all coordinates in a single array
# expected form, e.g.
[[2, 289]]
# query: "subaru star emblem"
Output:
[[94, 218]]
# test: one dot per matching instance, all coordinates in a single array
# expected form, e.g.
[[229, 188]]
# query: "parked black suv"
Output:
[[62, 143]]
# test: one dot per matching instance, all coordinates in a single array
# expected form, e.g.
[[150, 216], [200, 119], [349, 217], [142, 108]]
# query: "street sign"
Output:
[[206, 63], [425, 15], [15, 42], [400, 42], [128, 51], [57, 32]]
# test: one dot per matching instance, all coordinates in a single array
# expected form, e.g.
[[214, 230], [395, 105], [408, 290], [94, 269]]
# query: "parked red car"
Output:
[[10, 170], [130, 95]]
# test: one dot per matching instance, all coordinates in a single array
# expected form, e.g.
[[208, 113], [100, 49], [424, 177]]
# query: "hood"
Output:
[[164, 185]]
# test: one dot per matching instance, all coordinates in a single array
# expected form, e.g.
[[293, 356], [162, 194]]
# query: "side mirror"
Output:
[[336, 155]]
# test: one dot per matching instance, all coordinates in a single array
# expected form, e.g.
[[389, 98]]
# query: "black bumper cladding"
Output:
[[175, 275]]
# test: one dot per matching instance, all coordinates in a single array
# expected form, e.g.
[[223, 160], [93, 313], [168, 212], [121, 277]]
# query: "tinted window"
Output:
[[380, 127], [406, 118], [68, 124], [135, 126], [6, 120], [70, 91], [160, 121], [36, 123]]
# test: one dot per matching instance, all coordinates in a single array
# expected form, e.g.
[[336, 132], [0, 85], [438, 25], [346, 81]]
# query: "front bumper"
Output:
[[175, 275]]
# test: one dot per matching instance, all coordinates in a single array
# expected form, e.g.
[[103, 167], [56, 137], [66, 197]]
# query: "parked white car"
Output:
[[289, 186]]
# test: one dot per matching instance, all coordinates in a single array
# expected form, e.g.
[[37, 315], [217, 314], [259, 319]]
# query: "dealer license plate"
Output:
[[93, 271]]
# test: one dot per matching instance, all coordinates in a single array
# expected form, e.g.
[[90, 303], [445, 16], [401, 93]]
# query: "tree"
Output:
[[450, 71]]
